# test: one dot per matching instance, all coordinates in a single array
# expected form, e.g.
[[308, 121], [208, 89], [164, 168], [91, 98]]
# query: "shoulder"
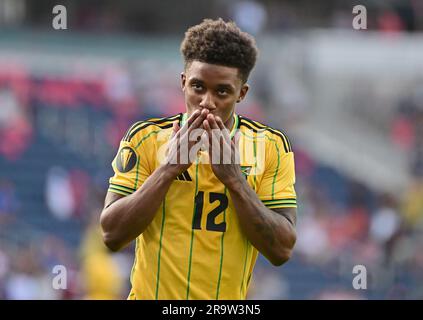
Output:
[[277, 136], [142, 129]]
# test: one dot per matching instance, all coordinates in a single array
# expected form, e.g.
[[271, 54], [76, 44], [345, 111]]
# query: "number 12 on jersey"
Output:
[[211, 224]]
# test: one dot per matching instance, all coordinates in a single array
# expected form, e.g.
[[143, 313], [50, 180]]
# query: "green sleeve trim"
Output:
[[276, 206], [121, 187], [123, 193], [281, 203]]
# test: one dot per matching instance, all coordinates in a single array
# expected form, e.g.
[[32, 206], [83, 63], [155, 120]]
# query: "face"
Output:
[[217, 88]]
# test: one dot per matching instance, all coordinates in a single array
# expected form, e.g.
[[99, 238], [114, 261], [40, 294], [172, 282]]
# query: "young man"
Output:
[[199, 221]]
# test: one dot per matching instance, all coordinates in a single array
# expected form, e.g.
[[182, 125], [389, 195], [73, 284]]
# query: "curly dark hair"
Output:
[[222, 43]]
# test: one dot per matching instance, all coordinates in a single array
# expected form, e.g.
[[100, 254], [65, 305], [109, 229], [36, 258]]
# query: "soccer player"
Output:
[[199, 224]]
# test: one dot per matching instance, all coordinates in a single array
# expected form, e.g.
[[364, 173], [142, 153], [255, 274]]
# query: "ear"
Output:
[[244, 89], [183, 80]]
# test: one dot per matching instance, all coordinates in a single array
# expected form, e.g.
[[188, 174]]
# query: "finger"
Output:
[[175, 129], [206, 125], [223, 150], [208, 130], [222, 127], [174, 138], [198, 122], [186, 139], [212, 121], [214, 143], [190, 120], [222, 133], [193, 116], [217, 142], [224, 140], [196, 125], [220, 122]]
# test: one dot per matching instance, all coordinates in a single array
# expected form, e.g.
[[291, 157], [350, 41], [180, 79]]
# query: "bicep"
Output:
[[111, 197], [288, 213]]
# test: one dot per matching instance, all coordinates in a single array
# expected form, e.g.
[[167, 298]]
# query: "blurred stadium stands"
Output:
[[351, 102]]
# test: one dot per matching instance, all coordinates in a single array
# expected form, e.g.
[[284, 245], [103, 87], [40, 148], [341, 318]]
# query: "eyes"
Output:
[[199, 88], [222, 92]]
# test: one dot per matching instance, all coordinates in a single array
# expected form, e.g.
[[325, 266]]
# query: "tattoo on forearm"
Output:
[[265, 228], [266, 225]]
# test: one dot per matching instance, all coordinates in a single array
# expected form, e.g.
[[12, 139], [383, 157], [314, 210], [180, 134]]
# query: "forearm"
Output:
[[270, 233], [127, 218]]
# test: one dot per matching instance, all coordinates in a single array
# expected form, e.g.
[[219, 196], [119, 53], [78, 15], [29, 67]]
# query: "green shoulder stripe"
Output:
[[256, 127], [162, 123]]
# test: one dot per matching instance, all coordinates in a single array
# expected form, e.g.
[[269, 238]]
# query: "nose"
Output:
[[207, 102]]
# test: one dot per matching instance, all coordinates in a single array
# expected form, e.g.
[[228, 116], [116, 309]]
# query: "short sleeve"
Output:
[[130, 168], [276, 189]]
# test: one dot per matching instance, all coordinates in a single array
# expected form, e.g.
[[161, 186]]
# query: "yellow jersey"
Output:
[[194, 247]]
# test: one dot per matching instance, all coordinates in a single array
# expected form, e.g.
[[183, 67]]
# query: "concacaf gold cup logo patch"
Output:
[[126, 159]]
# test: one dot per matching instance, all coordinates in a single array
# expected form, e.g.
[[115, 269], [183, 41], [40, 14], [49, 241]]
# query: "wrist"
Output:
[[168, 172]]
